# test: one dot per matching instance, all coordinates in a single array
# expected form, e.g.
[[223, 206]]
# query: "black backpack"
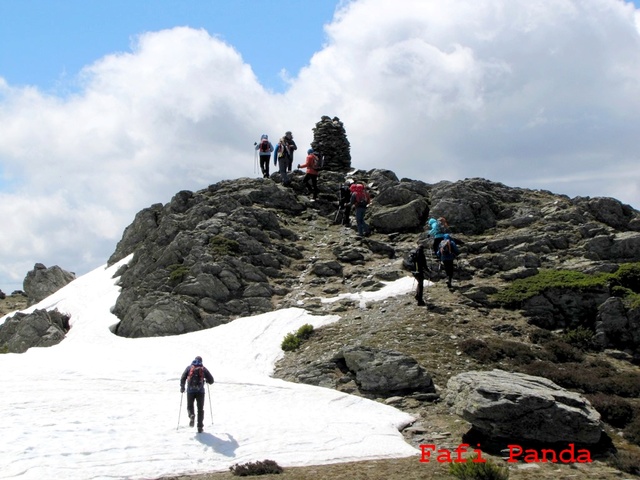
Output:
[[195, 378], [411, 261]]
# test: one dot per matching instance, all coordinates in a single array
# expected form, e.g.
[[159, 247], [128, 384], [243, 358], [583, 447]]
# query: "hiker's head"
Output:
[[198, 360], [288, 135], [432, 221], [264, 137], [310, 151]]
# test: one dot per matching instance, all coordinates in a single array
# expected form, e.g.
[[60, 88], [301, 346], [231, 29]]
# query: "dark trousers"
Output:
[[199, 400], [282, 167], [420, 290], [264, 165], [363, 228], [448, 269], [311, 182], [346, 211]]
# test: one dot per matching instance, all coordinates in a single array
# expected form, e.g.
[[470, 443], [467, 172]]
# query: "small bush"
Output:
[[563, 352], [220, 245], [494, 350], [632, 432], [305, 331], [627, 461], [471, 470], [290, 343], [177, 272], [614, 410], [264, 467], [580, 337]]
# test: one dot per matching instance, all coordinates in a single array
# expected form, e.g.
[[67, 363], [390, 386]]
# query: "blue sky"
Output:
[[107, 107], [47, 42]]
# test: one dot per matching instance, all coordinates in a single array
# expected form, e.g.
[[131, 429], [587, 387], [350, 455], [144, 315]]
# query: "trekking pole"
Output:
[[210, 408], [180, 410]]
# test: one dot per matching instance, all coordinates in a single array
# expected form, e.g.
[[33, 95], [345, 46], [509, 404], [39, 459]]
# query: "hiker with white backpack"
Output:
[[264, 149]]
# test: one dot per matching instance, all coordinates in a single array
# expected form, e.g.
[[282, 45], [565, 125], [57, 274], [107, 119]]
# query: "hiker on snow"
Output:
[[310, 180], [264, 149], [283, 156], [360, 200], [194, 377], [437, 230], [421, 267], [447, 252]]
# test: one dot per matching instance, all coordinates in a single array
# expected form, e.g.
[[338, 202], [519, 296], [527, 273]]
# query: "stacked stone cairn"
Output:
[[330, 139]]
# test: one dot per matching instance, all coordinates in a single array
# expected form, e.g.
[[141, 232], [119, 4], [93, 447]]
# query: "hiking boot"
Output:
[[199, 429], [192, 420]]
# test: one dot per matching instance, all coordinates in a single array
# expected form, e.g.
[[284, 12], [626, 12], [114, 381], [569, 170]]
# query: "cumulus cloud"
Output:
[[539, 94]]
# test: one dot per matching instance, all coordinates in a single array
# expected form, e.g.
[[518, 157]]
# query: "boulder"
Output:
[[42, 282], [385, 372], [41, 328], [617, 327], [522, 407]]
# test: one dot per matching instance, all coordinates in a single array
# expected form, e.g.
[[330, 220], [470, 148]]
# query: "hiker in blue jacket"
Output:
[[447, 252], [437, 230], [194, 377]]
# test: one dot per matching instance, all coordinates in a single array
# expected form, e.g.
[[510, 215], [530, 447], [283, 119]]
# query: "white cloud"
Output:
[[541, 94]]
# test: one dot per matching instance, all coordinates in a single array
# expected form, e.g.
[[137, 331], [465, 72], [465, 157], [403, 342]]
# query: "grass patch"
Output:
[[263, 467], [177, 272], [627, 461], [614, 410], [473, 470], [493, 350]]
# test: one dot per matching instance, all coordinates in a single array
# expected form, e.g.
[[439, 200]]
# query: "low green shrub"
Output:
[[264, 467], [221, 246], [494, 350], [581, 337], [632, 431], [471, 470], [177, 272], [290, 343]]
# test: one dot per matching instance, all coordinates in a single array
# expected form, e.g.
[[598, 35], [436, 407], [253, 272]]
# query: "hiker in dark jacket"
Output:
[[310, 180], [421, 268], [283, 156], [447, 252], [344, 203], [195, 375]]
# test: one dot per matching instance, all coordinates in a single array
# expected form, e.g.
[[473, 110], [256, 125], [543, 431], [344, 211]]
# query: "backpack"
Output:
[[411, 261], [318, 162], [195, 378], [445, 249], [361, 198], [264, 146]]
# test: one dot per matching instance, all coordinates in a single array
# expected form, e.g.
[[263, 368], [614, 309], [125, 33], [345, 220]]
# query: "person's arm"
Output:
[[208, 376], [183, 379]]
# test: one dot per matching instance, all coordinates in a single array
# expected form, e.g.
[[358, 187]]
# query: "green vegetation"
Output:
[[221, 246], [292, 341], [473, 470], [177, 272], [624, 282], [626, 461]]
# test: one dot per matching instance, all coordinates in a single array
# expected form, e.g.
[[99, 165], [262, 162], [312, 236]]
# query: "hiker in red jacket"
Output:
[[310, 180], [194, 376]]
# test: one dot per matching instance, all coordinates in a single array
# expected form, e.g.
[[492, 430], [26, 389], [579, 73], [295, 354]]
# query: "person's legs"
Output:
[[448, 268], [190, 399], [420, 291], [282, 164], [314, 182], [264, 165], [306, 182], [360, 220], [200, 405]]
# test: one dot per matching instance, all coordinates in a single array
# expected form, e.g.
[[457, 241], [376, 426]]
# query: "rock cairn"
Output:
[[330, 139]]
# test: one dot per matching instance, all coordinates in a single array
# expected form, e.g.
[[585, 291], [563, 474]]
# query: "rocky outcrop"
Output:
[[41, 328], [42, 282], [618, 326], [517, 406], [385, 372]]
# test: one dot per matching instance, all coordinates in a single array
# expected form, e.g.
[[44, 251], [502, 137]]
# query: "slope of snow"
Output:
[[100, 406]]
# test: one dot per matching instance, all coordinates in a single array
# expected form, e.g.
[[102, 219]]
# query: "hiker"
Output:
[[437, 230], [421, 267], [194, 376], [283, 156], [310, 180], [360, 200], [344, 202], [264, 149], [447, 252]]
